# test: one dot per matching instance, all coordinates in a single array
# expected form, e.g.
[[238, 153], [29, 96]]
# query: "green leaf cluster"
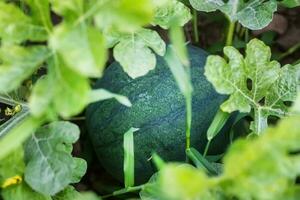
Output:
[[134, 49], [262, 168], [254, 82], [45, 166], [253, 14]]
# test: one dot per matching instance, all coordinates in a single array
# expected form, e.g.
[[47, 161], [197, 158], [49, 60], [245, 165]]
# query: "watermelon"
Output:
[[158, 110]]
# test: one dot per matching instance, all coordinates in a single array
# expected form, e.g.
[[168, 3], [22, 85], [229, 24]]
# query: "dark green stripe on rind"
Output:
[[158, 110]]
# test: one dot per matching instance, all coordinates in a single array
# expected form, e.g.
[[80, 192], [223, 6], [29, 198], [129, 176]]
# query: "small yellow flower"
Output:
[[13, 111], [12, 181], [9, 112], [17, 108]]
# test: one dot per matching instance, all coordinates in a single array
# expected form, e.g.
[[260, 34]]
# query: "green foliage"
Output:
[[18, 63], [270, 84], [67, 50], [50, 166], [16, 26], [253, 14], [16, 136], [183, 78], [132, 49], [260, 168], [133, 53], [217, 124], [13, 165], [166, 12], [54, 47], [71, 194], [290, 3], [128, 165], [85, 56]]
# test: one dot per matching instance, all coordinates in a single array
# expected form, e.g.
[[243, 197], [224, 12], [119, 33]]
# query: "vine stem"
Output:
[[206, 148], [230, 33], [188, 120], [261, 122], [195, 25], [290, 51], [124, 191], [296, 62], [11, 102]]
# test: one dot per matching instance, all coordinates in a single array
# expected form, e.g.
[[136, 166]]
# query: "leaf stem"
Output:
[[206, 148], [290, 51], [230, 33], [261, 122], [296, 62], [124, 191], [195, 25], [11, 102], [188, 120]]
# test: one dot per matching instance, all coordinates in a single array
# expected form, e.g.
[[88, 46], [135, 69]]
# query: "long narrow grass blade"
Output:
[[129, 157]]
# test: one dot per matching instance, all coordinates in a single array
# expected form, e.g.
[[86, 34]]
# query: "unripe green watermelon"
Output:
[[158, 111]]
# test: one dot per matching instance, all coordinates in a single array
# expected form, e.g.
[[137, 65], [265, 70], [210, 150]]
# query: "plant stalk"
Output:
[[11, 102], [188, 120], [124, 191], [290, 51], [230, 33], [195, 25], [206, 148]]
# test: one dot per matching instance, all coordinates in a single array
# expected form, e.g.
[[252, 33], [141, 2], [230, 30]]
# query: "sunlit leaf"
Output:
[[124, 15], [258, 168], [72, 86], [41, 96], [40, 12], [134, 54], [11, 166], [102, 94], [69, 9], [290, 3], [16, 27], [269, 84], [18, 63], [254, 14], [18, 135], [82, 48], [167, 12]]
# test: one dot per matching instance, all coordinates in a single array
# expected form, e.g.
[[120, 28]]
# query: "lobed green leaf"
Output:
[[50, 166], [253, 82]]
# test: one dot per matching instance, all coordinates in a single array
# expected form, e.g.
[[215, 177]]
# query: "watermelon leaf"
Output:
[[132, 50], [18, 63], [252, 168], [16, 26], [134, 54], [290, 3], [87, 55], [69, 193], [253, 82], [125, 16], [50, 166], [102, 94], [40, 13], [17, 135], [166, 12], [12, 168], [254, 14]]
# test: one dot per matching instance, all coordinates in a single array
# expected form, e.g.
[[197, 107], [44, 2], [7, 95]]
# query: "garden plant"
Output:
[[149, 99]]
